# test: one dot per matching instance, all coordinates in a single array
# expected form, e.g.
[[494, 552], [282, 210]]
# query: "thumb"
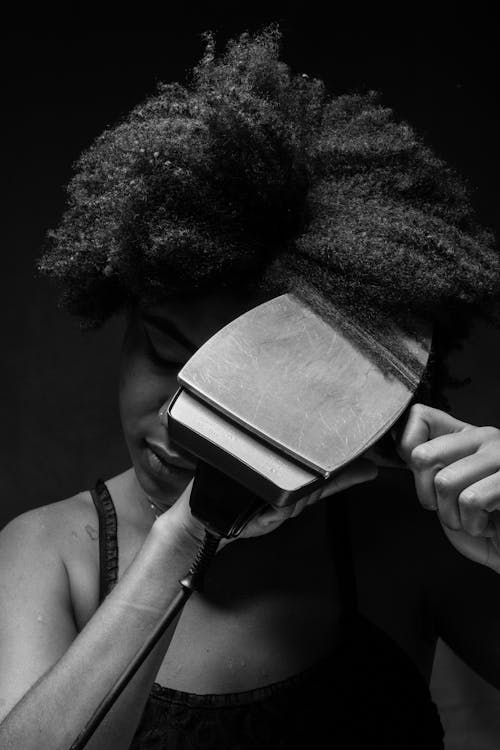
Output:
[[180, 514], [423, 423]]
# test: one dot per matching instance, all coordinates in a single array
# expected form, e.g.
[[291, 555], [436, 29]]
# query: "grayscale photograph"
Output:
[[251, 384]]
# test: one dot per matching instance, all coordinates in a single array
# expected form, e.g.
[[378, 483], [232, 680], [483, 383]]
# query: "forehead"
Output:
[[198, 316]]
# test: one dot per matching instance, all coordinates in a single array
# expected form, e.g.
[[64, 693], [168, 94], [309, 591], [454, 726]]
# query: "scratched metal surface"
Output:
[[291, 378], [283, 472]]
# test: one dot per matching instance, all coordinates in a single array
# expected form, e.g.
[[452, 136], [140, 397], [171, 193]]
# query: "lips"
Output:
[[168, 458]]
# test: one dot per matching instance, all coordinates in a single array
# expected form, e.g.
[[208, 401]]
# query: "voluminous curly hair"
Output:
[[253, 175]]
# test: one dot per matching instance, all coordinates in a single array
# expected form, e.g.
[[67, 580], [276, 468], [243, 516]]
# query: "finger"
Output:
[[293, 510], [260, 525], [271, 516], [450, 447], [475, 548], [180, 513], [431, 457], [493, 531], [425, 423], [454, 479], [435, 455], [359, 471], [306, 501], [477, 504]]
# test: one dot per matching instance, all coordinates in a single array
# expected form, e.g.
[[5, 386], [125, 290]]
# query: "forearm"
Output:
[[55, 709]]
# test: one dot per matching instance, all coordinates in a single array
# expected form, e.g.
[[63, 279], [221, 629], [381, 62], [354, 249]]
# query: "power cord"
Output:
[[224, 506], [191, 582]]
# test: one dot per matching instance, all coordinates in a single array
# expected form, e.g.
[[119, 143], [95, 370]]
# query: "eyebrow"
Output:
[[168, 327]]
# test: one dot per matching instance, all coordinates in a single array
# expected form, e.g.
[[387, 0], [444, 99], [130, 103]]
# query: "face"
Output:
[[158, 342]]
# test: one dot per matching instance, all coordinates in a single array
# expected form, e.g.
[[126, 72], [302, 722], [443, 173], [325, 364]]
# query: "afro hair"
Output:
[[250, 174]]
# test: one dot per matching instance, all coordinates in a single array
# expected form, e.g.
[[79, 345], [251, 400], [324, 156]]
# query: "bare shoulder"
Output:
[[49, 587], [66, 531], [48, 524]]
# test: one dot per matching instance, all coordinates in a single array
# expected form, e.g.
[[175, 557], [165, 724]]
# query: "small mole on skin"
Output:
[[91, 532]]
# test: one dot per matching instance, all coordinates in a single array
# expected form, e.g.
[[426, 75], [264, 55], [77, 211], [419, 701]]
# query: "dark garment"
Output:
[[366, 694]]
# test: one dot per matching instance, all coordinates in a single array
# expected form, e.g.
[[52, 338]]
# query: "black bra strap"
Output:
[[108, 543], [340, 535]]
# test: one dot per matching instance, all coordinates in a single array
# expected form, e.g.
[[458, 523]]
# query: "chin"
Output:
[[166, 489]]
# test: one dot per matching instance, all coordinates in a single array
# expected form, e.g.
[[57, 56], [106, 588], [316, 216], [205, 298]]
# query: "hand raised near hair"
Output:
[[456, 468]]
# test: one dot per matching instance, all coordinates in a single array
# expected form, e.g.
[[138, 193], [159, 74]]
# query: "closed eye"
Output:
[[167, 327], [164, 348]]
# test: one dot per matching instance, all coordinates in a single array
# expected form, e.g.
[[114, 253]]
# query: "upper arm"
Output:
[[465, 599], [36, 614]]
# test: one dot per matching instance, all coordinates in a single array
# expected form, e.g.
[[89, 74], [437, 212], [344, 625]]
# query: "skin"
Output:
[[456, 467]]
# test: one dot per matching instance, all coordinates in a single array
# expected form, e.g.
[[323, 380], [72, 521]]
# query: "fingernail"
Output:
[[268, 522]]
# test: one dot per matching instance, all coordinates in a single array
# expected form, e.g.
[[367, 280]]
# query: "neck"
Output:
[[126, 490]]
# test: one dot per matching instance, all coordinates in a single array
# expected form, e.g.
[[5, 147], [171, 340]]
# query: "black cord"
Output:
[[204, 554], [192, 581]]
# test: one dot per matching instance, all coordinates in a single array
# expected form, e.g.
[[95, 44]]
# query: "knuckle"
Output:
[[421, 456], [468, 498], [404, 448], [491, 452], [428, 504], [419, 410], [312, 498], [451, 523], [443, 481], [472, 530], [490, 433]]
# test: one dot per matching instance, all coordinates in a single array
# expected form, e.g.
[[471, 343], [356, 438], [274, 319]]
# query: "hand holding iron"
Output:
[[360, 470], [456, 467]]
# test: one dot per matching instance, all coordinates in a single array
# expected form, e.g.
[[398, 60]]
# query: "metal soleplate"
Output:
[[211, 437], [297, 384]]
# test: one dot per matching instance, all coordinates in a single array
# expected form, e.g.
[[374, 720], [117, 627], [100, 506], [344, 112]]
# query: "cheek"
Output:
[[143, 386], [143, 391]]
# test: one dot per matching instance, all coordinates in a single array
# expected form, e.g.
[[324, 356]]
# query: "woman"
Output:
[[203, 201]]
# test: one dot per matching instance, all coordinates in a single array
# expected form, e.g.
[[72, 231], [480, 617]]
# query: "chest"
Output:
[[270, 608]]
